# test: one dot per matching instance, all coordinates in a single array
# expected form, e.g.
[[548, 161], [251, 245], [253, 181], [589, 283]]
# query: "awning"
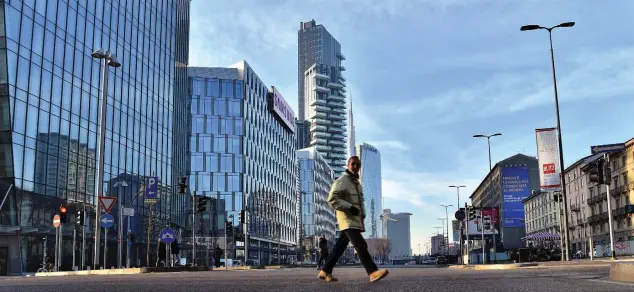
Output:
[[540, 236]]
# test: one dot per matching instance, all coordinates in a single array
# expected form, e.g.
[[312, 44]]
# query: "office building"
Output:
[[397, 231], [370, 175], [504, 187], [302, 134], [242, 146], [321, 92], [438, 245], [315, 178], [50, 88]]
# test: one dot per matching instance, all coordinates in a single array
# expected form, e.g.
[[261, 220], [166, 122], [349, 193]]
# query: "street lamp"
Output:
[[493, 201], [447, 219], [108, 60], [561, 149], [458, 206]]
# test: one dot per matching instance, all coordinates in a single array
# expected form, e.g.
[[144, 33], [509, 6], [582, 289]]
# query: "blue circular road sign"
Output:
[[106, 220]]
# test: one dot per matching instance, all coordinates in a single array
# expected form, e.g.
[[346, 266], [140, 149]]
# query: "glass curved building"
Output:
[[242, 154], [371, 181], [50, 88], [315, 178]]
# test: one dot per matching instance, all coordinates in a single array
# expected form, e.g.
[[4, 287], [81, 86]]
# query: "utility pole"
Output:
[[608, 180], [466, 232], [481, 221]]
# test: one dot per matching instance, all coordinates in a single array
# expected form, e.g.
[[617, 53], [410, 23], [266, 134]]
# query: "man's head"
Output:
[[354, 164]]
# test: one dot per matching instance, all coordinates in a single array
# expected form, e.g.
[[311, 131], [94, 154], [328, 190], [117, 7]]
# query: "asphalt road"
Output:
[[568, 278]]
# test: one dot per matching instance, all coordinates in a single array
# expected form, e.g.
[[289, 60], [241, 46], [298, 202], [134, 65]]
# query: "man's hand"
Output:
[[354, 211]]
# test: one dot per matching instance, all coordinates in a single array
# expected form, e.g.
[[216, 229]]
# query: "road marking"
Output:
[[612, 282]]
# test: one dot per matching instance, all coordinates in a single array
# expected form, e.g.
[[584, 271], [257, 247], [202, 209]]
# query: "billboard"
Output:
[[548, 157], [282, 110], [455, 227], [484, 219], [515, 188]]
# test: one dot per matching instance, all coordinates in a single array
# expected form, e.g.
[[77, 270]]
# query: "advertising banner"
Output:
[[515, 188], [548, 157], [484, 219], [455, 227]]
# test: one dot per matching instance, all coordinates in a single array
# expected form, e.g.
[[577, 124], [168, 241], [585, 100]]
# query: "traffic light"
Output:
[[243, 216], [202, 204], [229, 226], [607, 173], [472, 214], [132, 237], [558, 197], [182, 184], [80, 219], [63, 214], [629, 209], [595, 171]]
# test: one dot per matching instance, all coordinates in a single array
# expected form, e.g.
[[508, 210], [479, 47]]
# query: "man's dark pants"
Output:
[[354, 236], [323, 256]]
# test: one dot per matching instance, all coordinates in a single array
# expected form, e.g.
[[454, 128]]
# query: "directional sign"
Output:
[[107, 203], [151, 187], [607, 148], [106, 220], [56, 221], [167, 236]]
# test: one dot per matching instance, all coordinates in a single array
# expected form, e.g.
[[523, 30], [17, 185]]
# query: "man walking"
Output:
[[346, 197], [323, 250]]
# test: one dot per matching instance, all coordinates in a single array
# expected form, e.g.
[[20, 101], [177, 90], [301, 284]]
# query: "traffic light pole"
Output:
[[56, 248], [466, 232], [226, 235], [193, 230], [74, 246], [607, 188], [83, 240]]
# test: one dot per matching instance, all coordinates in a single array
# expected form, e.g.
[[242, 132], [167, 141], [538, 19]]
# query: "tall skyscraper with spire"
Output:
[[351, 137], [322, 93]]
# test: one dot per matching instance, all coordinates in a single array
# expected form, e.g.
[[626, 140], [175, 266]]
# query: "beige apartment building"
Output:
[[543, 218], [588, 216]]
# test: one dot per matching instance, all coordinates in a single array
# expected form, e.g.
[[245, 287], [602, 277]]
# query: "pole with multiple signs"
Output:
[[151, 189]]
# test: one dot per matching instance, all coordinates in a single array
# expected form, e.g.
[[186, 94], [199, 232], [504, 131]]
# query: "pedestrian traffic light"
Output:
[[229, 226], [558, 197], [182, 184], [202, 204], [243, 216], [63, 214], [79, 220]]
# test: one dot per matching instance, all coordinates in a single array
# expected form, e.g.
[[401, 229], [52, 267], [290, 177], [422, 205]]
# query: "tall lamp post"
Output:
[[561, 149], [493, 201], [108, 60], [458, 206], [447, 219]]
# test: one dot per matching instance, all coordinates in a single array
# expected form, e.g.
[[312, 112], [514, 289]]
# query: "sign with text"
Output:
[[151, 188], [282, 110], [548, 159], [515, 188]]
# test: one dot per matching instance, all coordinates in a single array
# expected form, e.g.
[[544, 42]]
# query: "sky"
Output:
[[426, 75]]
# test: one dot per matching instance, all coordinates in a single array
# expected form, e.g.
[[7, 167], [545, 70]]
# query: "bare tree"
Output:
[[379, 247]]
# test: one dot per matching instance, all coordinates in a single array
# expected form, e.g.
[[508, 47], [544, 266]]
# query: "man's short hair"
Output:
[[354, 157]]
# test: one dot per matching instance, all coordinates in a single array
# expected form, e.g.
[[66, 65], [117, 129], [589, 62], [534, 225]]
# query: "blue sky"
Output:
[[426, 75]]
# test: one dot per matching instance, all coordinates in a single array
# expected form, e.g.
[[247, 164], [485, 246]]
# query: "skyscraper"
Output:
[[242, 146], [370, 175], [321, 92], [397, 230], [351, 131], [49, 116]]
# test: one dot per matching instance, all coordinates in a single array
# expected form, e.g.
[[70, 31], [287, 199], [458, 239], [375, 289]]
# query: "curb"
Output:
[[131, 271], [622, 272], [494, 267]]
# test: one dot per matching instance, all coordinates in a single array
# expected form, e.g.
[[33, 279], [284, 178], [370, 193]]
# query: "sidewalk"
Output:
[[130, 271]]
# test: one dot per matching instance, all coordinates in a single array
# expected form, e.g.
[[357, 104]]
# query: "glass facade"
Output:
[[316, 178], [50, 88], [242, 156], [371, 181]]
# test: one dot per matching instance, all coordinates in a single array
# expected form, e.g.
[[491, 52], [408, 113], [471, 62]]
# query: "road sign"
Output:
[[106, 220], [459, 215], [107, 203], [56, 221], [128, 211], [151, 188], [167, 236], [607, 148]]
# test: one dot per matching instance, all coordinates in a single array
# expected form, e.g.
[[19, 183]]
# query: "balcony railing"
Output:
[[575, 208], [623, 189], [594, 199]]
